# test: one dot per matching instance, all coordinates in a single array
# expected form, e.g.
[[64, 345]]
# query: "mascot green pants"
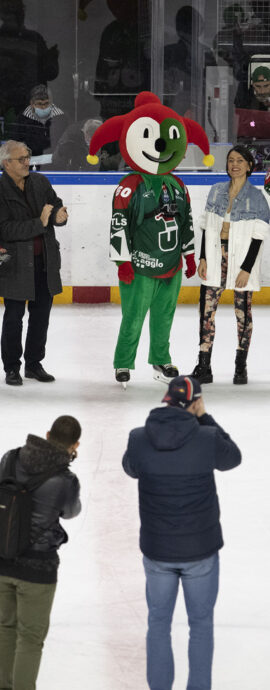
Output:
[[143, 294]]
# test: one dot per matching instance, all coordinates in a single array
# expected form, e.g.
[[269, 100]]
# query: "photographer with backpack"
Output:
[[36, 489]]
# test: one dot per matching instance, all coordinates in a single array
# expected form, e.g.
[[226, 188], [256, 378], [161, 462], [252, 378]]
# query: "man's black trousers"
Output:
[[38, 321]]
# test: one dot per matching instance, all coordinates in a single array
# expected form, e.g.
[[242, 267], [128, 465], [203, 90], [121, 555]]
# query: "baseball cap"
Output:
[[182, 391], [261, 74]]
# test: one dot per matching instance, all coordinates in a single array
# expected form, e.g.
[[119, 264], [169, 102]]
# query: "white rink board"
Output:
[[85, 240]]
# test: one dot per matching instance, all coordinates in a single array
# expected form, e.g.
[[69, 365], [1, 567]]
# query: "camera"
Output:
[[169, 210]]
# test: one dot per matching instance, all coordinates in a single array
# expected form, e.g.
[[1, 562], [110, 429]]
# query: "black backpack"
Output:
[[16, 508]]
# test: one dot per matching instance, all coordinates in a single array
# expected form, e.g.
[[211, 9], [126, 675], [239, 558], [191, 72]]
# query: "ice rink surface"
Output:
[[98, 624]]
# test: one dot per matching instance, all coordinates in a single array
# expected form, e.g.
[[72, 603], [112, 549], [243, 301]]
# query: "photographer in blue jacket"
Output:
[[174, 457]]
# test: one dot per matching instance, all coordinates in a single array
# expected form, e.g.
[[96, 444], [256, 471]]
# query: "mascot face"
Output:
[[152, 137], [155, 147]]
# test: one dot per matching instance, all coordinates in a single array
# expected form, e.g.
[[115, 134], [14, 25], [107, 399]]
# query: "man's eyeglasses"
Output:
[[22, 159]]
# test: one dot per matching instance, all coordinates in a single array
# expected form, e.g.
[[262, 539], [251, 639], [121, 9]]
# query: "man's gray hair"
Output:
[[90, 126], [7, 148], [41, 93]]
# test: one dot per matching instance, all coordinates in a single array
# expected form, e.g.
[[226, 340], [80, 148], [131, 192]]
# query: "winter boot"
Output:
[[165, 372], [240, 374], [122, 375], [203, 371]]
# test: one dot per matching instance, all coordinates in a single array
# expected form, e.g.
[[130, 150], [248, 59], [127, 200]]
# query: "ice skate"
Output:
[[165, 372], [122, 376]]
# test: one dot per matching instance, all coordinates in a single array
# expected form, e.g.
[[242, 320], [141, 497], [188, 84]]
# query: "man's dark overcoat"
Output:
[[19, 224]]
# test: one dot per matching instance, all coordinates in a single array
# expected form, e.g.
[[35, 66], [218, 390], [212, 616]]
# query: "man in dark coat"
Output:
[[29, 208], [28, 582], [174, 456]]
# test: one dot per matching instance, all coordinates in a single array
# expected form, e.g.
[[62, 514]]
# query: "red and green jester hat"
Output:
[[153, 140]]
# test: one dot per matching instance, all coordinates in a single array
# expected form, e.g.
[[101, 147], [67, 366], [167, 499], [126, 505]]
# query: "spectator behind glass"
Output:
[[180, 57], [242, 36], [25, 60], [123, 68], [41, 124], [72, 149], [233, 17], [259, 92]]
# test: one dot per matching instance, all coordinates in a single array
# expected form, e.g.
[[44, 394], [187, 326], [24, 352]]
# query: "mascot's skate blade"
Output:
[[122, 376], [159, 376]]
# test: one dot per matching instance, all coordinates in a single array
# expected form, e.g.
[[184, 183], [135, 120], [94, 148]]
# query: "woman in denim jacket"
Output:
[[234, 225]]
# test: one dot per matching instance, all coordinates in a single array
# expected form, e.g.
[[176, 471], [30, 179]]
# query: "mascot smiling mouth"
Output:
[[158, 160]]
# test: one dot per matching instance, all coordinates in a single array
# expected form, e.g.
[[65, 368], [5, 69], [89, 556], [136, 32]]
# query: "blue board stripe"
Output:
[[113, 178]]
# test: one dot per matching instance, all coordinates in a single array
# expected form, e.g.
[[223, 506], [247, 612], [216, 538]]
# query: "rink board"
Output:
[[88, 276]]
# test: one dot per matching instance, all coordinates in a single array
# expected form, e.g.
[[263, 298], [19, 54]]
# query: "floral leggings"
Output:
[[209, 299]]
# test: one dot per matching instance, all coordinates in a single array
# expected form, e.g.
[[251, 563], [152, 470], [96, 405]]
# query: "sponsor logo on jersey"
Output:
[[143, 260], [118, 221], [146, 195]]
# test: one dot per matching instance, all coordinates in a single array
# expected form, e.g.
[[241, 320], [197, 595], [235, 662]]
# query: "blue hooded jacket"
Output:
[[174, 456]]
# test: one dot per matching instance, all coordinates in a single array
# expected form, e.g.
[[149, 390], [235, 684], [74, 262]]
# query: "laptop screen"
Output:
[[253, 123]]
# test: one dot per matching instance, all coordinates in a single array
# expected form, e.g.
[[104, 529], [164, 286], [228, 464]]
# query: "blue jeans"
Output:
[[200, 587]]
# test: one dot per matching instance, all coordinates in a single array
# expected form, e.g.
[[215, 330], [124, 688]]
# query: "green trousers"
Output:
[[141, 295], [24, 621]]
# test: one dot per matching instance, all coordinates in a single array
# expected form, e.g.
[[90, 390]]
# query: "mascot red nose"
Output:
[[151, 226]]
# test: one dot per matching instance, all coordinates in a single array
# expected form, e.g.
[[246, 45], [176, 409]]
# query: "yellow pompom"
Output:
[[93, 160], [208, 160]]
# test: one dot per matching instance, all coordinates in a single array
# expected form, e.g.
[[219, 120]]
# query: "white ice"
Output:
[[97, 634]]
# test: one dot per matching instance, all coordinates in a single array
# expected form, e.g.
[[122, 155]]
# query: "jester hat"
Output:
[[152, 137]]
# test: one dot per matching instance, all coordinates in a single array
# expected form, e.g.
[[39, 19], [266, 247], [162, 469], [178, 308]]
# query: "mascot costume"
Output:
[[151, 225]]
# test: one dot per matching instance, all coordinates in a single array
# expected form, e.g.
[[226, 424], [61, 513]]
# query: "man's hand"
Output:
[[45, 214], [242, 279], [61, 215], [202, 268], [200, 409], [4, 256], [126, 273], [191, 266]]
